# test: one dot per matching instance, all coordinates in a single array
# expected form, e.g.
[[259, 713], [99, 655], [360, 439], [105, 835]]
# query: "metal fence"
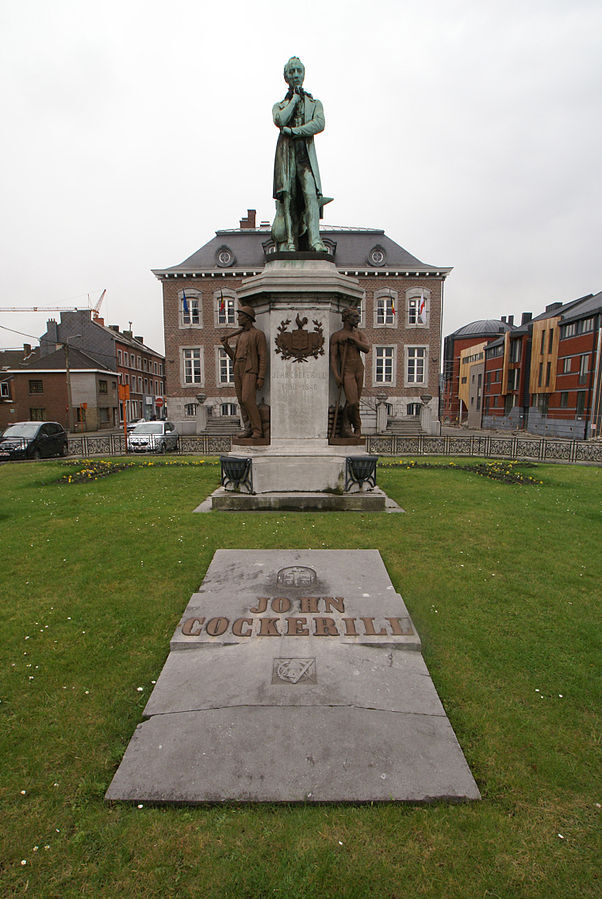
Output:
[[530, 449]]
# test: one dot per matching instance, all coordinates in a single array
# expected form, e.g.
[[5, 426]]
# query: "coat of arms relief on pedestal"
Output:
[[300, 344]]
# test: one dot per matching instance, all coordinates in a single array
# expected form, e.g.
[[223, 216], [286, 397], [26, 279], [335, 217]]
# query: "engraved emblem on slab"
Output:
[[300, 344], [294, 671], [296, 576]]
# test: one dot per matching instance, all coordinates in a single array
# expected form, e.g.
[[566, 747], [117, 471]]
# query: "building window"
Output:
[[413, 408], [103, 413], [103, 387], [192, 367], [225, 306], [139, 363], [550, 340], [119, 357], [415, 365], [190, 409], [5, 390], [583, 369], [580, 403], [146, 385], [225, 367], [126, 359], [139, 385], [385, 308], [190, 308], [36, 414], [566, 369], [228, 409], [564, 399], [515, 351], [543, 402], [418, 302], [36, 386], [384, 365], [548, 372]]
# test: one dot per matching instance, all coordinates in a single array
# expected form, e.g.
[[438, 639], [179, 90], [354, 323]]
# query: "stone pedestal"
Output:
[[298, 304]]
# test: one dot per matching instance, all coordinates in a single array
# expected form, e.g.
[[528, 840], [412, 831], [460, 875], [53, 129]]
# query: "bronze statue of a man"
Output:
[[346, 347], [297, 187], [249, 357]]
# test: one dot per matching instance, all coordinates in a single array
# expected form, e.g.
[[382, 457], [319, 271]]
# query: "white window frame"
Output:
[[388, 298], [5, 390], [375, 357], [409, 354], [194, 300], [413, 295], [221, 356], [184, 358], [230, 302]]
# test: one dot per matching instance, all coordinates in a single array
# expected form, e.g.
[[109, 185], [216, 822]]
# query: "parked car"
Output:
[[33, 440], [153, 437]]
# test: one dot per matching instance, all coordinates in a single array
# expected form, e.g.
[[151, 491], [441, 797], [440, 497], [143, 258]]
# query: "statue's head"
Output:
[[351, 315], [245, 313], [294, 72]]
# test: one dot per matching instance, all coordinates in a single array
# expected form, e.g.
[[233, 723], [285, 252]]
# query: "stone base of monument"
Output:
[[227, 501], [294, 676], [298, 475]]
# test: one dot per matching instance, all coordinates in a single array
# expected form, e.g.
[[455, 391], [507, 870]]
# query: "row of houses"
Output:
[[542, 375], [84, 374]]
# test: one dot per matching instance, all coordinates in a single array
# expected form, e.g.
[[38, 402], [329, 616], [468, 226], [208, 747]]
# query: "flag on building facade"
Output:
[[421, 318], [185, 305]]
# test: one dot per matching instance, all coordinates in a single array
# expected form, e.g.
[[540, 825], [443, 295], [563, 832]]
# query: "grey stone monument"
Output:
[[294, 676]]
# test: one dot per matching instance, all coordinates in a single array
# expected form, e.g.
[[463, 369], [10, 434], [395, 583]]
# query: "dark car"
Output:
[[33, 440]]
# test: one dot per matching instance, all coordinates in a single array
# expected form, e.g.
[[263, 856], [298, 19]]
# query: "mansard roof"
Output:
[[250, 248]]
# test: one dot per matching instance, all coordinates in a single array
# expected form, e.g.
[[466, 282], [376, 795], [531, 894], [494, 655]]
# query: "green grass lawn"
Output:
[[503, 584]]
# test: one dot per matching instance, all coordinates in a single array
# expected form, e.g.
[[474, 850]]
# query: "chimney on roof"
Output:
[[139, 339], [114, 328], [26, 350], [552, 306], [127, 334], [249, 221], [511, 320], [503, 318], [526, 317]]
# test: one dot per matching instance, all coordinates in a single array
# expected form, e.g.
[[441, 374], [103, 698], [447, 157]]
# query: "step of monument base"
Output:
[[229, 501]]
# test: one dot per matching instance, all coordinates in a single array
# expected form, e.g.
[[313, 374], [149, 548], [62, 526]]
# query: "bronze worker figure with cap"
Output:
[[249, 357], [297, 186]]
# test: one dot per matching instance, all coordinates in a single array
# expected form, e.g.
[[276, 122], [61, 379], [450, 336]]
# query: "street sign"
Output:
[[158, 401]]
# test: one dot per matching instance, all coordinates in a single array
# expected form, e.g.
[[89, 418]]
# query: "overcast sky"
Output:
[[470, 130]]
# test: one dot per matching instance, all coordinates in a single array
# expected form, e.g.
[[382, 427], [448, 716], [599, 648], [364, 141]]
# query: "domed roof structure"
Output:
[[484, 327]]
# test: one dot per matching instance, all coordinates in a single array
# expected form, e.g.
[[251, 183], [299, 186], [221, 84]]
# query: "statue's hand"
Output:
[[259, 383], [287, 131], [338, 380], [224, 340]]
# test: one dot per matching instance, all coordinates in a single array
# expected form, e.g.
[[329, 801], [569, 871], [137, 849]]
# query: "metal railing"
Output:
[[532, 449]]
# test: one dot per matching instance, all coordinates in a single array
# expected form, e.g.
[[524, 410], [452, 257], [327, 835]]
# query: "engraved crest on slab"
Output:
[[294, 671], [300, 344], [296, 576]]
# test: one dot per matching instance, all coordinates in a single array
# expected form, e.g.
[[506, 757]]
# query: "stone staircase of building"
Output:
[[222, 425], [405, 427]]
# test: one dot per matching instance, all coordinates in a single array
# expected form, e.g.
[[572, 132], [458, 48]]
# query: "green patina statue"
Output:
[[297, 187]]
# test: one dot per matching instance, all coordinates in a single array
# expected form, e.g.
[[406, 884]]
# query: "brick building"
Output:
[[401, 317], [458, 348], [545, 375], [37, 389], [137, 366]]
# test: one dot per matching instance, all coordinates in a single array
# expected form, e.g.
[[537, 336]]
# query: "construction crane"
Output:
[[95, 309]]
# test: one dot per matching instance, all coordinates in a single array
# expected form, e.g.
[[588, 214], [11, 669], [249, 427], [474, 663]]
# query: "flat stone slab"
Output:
[[296, 685]]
